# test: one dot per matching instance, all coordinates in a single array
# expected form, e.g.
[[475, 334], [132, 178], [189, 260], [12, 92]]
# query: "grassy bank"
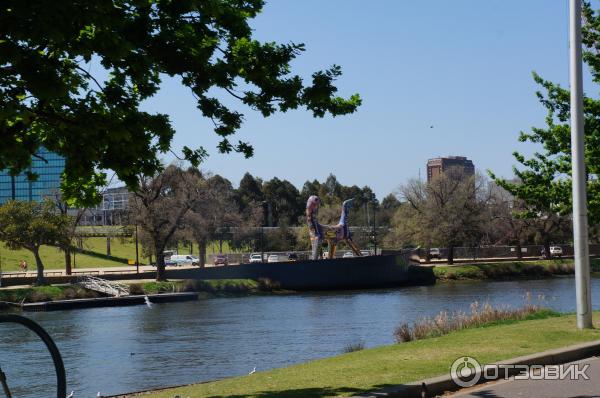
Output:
[[510, 269], [375, 368], [45, 293], [214, 287]]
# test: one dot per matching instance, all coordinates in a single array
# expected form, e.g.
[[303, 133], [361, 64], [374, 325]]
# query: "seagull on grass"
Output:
[[253, 371]]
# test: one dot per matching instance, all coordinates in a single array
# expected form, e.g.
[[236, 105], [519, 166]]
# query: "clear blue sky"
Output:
[[463, 67]]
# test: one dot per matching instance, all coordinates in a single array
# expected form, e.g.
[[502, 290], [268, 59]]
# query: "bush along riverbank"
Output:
[[498, 338], [510, 270], [209, 288]]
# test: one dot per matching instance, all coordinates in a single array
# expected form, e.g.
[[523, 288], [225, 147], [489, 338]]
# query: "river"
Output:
[[123, 349]]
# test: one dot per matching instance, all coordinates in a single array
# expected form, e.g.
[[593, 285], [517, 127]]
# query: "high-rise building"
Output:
[[438, 166], [49, 168]]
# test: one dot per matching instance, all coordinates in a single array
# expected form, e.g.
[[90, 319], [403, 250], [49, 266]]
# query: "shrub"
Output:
[[353, 347], [481, 315]]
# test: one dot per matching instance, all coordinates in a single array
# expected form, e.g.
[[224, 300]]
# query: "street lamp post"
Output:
[[580, 222]]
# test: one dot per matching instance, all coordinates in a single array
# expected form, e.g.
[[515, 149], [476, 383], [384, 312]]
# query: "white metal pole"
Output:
[[580, 222]]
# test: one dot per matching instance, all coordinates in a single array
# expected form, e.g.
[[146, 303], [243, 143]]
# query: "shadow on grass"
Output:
[[306, 392]]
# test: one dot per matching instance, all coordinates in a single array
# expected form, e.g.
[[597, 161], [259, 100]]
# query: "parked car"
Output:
[[348, 255], [256, 258], [556, 251], [292, 257], [181, 259], [168, 262], [220, 259], [365, 253], [435, 252], [325, 255], [273, 258]]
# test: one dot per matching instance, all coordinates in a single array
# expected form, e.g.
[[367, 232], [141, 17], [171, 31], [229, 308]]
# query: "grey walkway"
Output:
[[539, 388]]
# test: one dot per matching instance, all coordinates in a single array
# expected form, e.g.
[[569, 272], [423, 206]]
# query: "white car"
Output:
[[348, 255], [365, 253], [181, 259], [556, 251], [256, 258], [273, 258]]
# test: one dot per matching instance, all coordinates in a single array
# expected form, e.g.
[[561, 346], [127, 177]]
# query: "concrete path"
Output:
[[539, 388]]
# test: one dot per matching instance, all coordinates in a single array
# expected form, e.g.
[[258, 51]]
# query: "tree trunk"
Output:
[[519, 250], [108, 246], [160, 266], [40, 267], [220, 246], [67, 251], [450, 254], [428, 254], [202, 252], [547, 249]]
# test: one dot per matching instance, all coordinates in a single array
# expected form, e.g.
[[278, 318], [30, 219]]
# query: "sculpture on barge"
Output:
[[333, 234]]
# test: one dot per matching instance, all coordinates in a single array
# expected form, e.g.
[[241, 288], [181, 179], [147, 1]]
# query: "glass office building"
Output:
[[48, 169]]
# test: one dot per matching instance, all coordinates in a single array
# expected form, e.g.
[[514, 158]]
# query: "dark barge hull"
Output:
[[340, 273]]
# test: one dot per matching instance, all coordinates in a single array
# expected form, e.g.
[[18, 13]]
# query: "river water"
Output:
[[123, 349]]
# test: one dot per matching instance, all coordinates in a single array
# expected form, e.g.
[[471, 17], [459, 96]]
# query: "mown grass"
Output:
[[45, 293], [53, 258], [510, 269], [371, 369]]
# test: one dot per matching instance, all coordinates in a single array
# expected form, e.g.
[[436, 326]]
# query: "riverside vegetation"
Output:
[[206, 288], [510, 269]]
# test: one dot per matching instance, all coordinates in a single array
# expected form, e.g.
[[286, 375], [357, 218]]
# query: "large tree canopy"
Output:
[[544, 180], [51, 96]]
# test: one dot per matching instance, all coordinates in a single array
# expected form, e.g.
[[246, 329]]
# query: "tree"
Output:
[[29, 225], [213, 214], [448, 211], [159, 205], [75, 73], [71, 232], [284, 205], [545, 179]]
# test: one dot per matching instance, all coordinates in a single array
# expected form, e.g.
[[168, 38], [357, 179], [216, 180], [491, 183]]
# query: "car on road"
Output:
[[365, 253], [169, 262], [220, 259], [556, 251], [273, 258], [256, 258], [348, 255], [185, 259], [292, 257], [435, 252]]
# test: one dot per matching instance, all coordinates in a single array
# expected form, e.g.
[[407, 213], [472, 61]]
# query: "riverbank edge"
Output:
[[204, 288], [322, 372], [510, 270]]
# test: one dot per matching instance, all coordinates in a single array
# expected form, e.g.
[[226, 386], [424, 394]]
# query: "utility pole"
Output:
[[580, 221]]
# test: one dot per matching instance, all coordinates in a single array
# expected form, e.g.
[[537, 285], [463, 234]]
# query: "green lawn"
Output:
[[54, 259], [367, 370]]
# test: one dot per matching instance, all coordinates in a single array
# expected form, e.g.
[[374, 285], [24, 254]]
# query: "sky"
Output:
[[436, 78]]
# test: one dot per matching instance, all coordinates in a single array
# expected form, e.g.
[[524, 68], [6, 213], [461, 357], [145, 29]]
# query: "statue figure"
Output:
[[333, 234]]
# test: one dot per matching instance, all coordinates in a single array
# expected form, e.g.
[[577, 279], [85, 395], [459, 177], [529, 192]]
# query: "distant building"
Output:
[[49, 168], [438, 166], [111, 211]]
